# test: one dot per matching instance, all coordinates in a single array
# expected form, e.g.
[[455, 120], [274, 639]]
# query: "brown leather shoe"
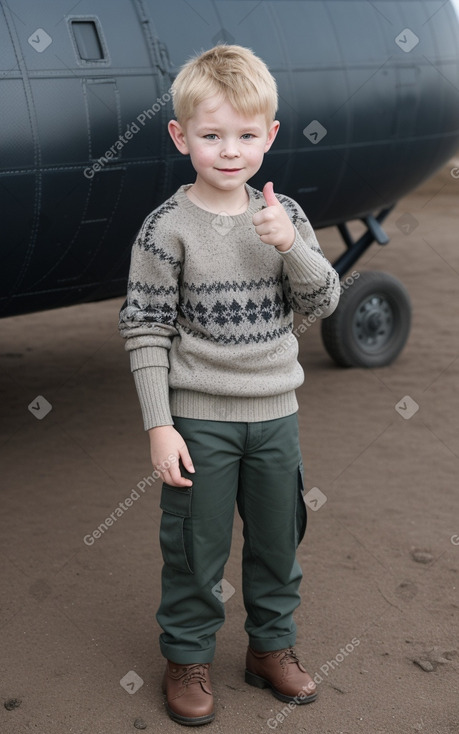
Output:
[[282, 672], [189, 698]]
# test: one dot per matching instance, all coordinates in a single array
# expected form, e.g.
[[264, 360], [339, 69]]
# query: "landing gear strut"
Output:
[[371, 323]]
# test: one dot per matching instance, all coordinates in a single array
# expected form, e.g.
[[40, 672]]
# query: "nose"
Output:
[[230, 149]]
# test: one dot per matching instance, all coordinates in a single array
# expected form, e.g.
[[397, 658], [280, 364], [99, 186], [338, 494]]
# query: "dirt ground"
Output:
[[378, 626]]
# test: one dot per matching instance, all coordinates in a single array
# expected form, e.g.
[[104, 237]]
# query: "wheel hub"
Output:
[[373, 323]]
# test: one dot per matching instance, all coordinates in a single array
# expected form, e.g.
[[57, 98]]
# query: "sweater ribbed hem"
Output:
[[190, 404]]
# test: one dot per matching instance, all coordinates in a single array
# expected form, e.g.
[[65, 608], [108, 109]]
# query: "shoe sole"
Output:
[[188, 720], [256, 680]]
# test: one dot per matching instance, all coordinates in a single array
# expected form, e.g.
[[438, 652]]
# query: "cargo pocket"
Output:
[[301, 513], [174, 531]]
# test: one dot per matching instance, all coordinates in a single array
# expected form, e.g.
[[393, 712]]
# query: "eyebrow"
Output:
[[216, 129]]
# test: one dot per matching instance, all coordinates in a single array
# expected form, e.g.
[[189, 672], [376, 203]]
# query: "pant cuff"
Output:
[[270, 645], [186, 657]]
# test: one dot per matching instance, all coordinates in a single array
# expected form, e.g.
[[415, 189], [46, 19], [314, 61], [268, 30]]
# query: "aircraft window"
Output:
[[87, 40]]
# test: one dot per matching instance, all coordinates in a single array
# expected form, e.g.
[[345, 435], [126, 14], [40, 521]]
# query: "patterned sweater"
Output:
[[208, 317]]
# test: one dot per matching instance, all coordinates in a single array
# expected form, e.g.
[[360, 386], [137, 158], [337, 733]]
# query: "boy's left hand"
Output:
[[273, 224]]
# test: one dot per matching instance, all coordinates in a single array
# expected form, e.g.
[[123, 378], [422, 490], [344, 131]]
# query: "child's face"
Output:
[[225, 147]]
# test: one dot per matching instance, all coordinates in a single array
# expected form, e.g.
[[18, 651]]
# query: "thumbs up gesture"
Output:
[[273, 224]]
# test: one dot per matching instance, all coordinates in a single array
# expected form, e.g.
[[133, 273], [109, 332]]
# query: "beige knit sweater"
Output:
[[209, 312]]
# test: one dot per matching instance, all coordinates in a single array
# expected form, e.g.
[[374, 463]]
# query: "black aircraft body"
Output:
[[369, 108]]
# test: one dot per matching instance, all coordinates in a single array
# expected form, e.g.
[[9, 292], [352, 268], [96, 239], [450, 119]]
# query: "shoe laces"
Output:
[[195, 674], [288, 656]]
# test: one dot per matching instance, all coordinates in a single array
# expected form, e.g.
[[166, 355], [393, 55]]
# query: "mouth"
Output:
[[229, 170]]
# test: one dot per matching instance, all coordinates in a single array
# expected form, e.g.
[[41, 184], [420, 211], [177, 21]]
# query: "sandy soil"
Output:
[[380, 556]]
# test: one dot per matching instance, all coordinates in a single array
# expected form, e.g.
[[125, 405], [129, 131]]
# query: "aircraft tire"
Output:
[[371, 323]]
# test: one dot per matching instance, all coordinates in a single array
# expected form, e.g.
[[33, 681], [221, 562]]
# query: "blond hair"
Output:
[[234, 73]]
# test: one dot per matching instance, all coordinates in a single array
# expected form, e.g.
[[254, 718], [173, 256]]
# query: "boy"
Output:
[[216, 273]]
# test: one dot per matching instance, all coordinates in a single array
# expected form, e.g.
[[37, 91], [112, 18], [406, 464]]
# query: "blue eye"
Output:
[[247, 136], [210, 136]]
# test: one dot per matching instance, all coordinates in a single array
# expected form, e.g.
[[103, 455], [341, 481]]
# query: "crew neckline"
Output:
[[254, 205]]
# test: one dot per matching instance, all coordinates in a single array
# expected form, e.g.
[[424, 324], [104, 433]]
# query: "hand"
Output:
[[165, 443], [273, 224]]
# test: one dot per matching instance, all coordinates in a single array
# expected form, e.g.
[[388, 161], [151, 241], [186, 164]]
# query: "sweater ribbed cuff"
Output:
[[153, 391], [302, 261], [148, 357]]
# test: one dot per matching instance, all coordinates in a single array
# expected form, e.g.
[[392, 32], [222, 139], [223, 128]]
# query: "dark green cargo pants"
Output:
[[258, 466]]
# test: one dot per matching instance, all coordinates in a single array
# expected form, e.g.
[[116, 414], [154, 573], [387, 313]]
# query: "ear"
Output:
[[272, 132], [178, 136]]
